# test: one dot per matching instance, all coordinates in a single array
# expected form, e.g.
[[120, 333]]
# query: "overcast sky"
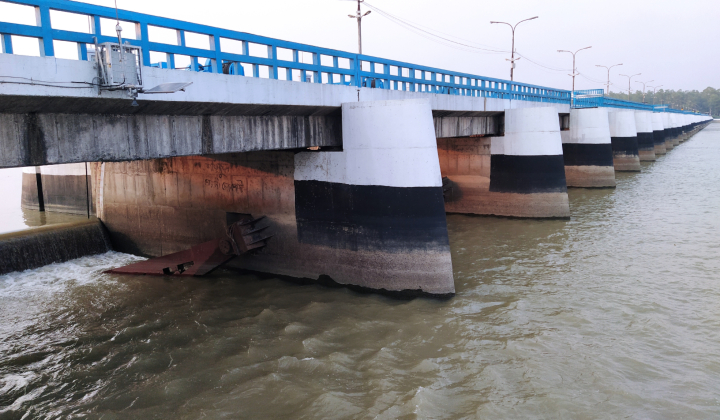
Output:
[[673, 42]]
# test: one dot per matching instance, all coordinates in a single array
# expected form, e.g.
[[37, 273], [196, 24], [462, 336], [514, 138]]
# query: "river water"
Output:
[[613, 314]]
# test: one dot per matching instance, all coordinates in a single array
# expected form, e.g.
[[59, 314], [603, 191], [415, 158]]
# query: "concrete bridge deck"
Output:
[[51, 114]]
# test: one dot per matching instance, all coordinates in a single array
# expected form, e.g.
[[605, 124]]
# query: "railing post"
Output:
[[356, 64], [82, 51], [96, 28], [42, 17], [316, 63], [386, 72], [215, 45], [6, 43], [144, 42], [272, 52]]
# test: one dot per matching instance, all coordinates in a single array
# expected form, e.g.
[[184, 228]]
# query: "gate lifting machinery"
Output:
[[120, 66], [240, 238]]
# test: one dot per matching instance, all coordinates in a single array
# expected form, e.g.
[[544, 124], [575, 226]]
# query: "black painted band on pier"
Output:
[[581, 154], [645, 141], [527, 174], [371, 217], [624, 146], [659, 137]]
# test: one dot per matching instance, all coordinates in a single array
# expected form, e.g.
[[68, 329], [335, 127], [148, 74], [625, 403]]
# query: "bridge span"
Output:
[[354, 160], [47, 122]]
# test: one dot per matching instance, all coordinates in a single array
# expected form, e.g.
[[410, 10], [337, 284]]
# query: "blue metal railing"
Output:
[[595, 98], [258, 56]]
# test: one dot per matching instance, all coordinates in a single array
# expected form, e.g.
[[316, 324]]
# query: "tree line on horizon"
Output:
[[707, 101]]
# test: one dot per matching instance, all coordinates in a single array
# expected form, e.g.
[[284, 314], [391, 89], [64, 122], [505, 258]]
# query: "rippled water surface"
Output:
[[613, 314]]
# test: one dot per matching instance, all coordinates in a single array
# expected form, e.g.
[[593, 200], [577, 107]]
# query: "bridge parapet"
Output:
[[215, 50]]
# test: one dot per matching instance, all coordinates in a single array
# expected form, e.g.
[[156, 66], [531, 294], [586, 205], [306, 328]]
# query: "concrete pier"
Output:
[[685, 127], [677, 128], [624, 140], [669, 131], [371, 216], [520, 174], [527, 170], [646, 142], [587, 149], [658, 134]]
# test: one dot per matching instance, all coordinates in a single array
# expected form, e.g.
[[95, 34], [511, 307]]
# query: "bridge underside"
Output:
[[46, 139], [38, 138]]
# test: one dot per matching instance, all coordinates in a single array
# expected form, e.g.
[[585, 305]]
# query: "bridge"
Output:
[[354, 159]]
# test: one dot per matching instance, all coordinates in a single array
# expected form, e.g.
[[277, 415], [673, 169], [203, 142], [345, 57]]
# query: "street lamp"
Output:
[[643, 83], [630, 78], [608, 69], [359, 17], [512, 51], [654, 88], [574, 73]]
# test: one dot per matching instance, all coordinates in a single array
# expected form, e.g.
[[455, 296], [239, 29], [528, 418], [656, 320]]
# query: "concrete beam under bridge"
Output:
[[46, 139]]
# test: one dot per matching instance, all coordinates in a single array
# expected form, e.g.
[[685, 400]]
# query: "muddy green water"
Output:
[[613, 314]]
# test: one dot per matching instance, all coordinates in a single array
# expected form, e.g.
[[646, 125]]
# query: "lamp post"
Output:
[[359, 17], [630, 78], [643, 83], [608, 71], [654, 88], [574, 73], [512, 51]]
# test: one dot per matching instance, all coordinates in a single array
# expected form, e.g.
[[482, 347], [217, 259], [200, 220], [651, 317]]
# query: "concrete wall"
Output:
[[65, 188], [157, 207]]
